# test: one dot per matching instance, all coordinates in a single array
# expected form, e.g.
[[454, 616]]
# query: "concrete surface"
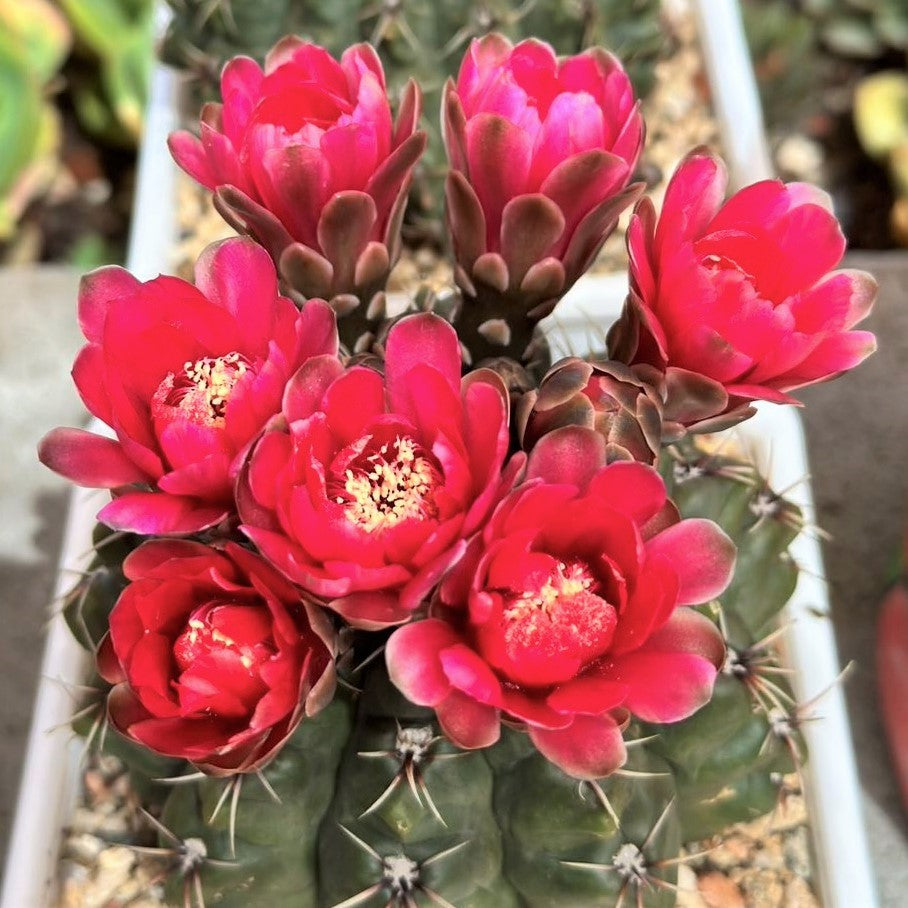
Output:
[[39, 337], [857, 433], [857, 430]]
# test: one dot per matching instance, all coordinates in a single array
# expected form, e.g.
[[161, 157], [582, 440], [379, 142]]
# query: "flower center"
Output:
[[551, 628], [205, 636], [202, 389], [393, 483], [567, 584]]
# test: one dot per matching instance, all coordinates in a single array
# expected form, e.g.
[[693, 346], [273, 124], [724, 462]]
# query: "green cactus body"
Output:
[[412, 815], [276, 842], [727, 756], [562, 846]]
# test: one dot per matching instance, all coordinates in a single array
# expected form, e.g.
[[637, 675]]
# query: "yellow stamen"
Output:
[[392, 485]]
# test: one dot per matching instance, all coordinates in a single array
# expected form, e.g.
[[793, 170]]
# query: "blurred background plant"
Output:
[[34, 42], [73, 85], [111, 66], [881, 122], [830, 114]]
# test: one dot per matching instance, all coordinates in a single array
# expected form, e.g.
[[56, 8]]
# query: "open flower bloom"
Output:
[[213, 656], [541, 152], [366, 490], [304, 156], [738, 302], [185, 376], [569, 612]]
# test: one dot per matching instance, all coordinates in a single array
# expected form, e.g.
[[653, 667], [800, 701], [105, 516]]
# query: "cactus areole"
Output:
[[421, 617]]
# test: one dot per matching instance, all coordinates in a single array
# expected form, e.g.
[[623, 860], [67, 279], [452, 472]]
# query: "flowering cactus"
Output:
[[304, 156], [728, 301], [571, 134], [212, 656], [524, 569], [186, 377]]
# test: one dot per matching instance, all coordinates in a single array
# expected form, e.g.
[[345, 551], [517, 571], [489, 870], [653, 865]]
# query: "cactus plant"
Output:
[[370, 804], [414, 39], [34, 41], [399, 647]]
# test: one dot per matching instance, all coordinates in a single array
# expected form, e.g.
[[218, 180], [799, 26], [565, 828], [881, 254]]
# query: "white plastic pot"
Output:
[[844, 871]]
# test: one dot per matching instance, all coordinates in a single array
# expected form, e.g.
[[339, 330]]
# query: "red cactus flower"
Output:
[[568, 612], [213, 655], [738, 302], [541, 153], [304, 156], [185, 376], [365, 493]]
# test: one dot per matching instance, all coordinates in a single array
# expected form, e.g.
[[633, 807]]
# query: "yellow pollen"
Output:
[[394, 484], [566, 582], [214, 378], [198, 628]]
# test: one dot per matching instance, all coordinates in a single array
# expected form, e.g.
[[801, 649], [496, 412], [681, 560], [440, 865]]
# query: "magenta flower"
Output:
[[213, 656], [541, 151], [365, 493], [568, 612], [738, 302], [304, 156], [185, 376]]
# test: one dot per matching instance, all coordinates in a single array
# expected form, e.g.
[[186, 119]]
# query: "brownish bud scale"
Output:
[[606, 396]]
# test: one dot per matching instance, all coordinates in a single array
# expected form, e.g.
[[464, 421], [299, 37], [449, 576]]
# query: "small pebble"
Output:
[[732, 851], [797, 852], [762, 888], [798, 894], [688, 893], [718, 891]]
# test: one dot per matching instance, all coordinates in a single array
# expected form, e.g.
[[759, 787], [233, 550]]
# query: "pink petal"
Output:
[[702, 555], [416, 340], [590, 696], [589, 748], [88, 459], [634, 489], [158, 514], [306, 389], [352, 402], [467, 723], [693, 197], [239, 276], [492, 139], [832, 356], [470, 674], [187, 150], [533, 710], [371, 611], [570, 455], [663, 687], [241, 83], [97, 290], [413, 654]]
